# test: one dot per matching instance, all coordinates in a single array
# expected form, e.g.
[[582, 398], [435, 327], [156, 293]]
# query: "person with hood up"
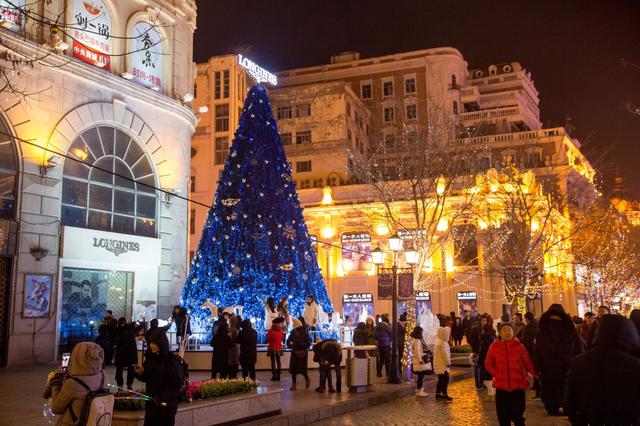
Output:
[[557, 342], [383, 338], [126, 350], [248, 341], [163, 374], [442, 363], [275, 337], [508, 362], [221, 343], [603, 384], [418, 362], [68, 397], [299, 343], [153, 327]]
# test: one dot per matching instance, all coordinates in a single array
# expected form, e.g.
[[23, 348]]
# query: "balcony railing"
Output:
[[490, 113], [334, 146]]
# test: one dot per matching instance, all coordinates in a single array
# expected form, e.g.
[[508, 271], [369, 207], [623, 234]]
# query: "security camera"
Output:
[[203, 109], [54, 160], [188, 98]]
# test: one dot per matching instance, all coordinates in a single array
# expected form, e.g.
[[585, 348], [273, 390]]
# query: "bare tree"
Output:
[[530, 232], [607, 259]]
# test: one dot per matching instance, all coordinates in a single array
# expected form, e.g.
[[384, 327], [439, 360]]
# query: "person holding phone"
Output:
[[126, 350], [68, 395]]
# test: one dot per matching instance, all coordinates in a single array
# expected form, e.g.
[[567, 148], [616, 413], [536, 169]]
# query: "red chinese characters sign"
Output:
[[91, 22], [11, 14]]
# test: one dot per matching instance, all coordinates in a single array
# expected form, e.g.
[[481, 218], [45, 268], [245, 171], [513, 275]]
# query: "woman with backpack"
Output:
[[126, 350], [163, 373], [84, 375]]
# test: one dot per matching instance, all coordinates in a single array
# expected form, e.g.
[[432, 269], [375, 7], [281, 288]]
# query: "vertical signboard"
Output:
[[468, 301], [147, 56], [92, 26], [356, 251]]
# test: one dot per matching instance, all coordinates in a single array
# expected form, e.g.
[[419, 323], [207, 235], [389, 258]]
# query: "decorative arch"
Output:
[[166, 46], [9, 171], [116, 115]]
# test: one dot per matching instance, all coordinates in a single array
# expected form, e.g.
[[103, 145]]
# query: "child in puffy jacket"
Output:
[[508, 362], [442, 363], [275, 338]]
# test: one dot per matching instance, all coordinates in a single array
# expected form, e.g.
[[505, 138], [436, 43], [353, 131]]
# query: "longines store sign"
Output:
[[87, 244]]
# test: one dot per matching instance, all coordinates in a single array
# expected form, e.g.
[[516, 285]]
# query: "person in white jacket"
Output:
[[310, 314], [270, 313], [418, 364], [442, 363]]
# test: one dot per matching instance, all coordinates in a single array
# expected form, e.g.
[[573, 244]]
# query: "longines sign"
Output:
[[116, 247], [256, 71], [100, 246]]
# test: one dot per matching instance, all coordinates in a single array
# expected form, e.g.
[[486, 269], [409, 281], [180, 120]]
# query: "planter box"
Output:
[[232, 409]]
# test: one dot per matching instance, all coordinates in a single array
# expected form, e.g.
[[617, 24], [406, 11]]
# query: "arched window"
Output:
[[8, 173], [98, 197], [454, 82]]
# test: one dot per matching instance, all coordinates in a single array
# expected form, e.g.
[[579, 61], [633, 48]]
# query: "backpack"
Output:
[[98, 406]]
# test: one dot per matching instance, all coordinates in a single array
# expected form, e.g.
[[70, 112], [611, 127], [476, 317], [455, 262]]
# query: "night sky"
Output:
[[578, 51]]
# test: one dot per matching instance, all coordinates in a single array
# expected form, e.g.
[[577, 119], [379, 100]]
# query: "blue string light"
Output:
[[255, 243]]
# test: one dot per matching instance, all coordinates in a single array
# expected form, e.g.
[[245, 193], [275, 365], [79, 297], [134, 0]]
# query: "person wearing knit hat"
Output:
[[299, 343]]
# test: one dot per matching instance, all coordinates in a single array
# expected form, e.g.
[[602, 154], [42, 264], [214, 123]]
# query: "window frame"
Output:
[[363, 84], [301, 166], [407, 78], [390, 81]]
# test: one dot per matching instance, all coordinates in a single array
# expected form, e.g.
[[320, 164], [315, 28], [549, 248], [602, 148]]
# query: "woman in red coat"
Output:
[[509, 363], [275, 337]]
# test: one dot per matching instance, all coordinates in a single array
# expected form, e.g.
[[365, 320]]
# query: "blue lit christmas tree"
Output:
[[255, 243]]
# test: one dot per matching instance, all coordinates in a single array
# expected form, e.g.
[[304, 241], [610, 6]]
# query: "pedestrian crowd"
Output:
[[587, 369], [568, 362]]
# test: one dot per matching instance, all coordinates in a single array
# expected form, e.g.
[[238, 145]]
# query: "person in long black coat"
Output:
[[528, 340], [163, 374], [126, 350], [248, 341], [360, 338], [603, 384], [299, 343], [557, 343], [221, 343]]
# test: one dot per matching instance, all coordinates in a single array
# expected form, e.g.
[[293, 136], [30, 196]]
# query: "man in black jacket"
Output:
[[603, 385], [248, 340], [473, 338], [557, 342], [529, 340], [163, 374]]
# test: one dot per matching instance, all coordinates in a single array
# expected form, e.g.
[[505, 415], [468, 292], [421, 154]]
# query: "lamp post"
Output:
[[411, 258]]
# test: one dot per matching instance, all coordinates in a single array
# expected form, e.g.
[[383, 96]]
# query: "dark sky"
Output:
[[576, 51]]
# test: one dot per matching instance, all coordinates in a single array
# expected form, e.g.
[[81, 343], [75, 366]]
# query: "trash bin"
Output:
[[360, 371]]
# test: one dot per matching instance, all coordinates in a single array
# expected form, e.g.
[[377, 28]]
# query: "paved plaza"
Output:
[[21, 403], [468, 408]]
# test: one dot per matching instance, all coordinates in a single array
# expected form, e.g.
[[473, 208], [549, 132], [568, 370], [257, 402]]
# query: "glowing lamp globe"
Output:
[[395, 242], [411, 255], [377, 256]]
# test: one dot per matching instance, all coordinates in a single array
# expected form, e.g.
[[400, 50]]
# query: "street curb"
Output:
[[359, 402]]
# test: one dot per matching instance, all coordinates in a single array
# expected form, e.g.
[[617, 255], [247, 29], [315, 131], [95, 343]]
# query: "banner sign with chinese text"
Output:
[[11, 15], [147, 56], [91, 33], [356, 251]]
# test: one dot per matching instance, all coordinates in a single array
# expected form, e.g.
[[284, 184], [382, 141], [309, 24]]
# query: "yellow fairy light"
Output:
[[327, 197]]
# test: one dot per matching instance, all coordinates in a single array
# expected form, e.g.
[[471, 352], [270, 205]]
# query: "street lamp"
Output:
[[411, 258]]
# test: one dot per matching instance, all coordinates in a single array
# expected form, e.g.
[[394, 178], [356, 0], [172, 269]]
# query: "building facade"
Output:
[[392, 102], [94, 158]]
